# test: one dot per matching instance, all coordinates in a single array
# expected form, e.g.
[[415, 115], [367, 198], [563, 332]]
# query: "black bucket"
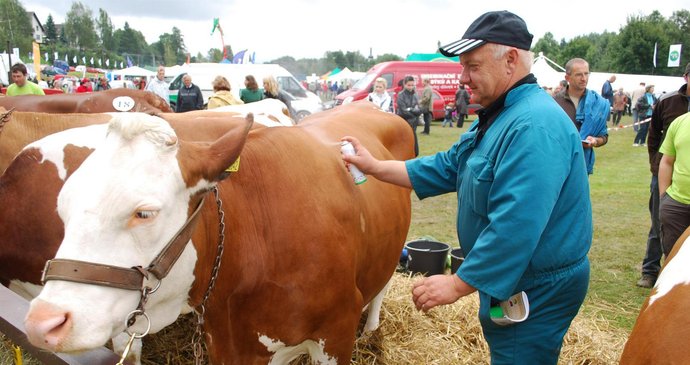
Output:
[[456, 259], [427, 257]]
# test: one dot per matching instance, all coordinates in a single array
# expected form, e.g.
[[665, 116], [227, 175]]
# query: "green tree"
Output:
[[214, 55], [548, 46], [130, 41], [171, 48], [51, 31], [62, 38], [579, 47], [637, 39], [681, 35], [15, 26], [79, 27], [105, 30]]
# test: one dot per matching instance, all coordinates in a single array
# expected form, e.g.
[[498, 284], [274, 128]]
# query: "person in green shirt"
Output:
[[252, 92], [674, 183], [22, 86]]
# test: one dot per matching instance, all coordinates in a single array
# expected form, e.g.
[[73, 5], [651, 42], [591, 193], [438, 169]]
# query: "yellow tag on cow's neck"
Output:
[[234, 167]]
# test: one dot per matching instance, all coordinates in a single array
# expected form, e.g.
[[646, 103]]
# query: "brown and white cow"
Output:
[[112, 100], [301, 236], [662, 327]]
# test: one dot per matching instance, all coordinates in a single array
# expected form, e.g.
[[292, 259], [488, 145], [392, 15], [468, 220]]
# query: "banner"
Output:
[[100, 63], [37, 60], [74, 59], [654, 60], [56, 56], [91, 61], [107, 62], [83, 60], [46, 56], [674, 55]]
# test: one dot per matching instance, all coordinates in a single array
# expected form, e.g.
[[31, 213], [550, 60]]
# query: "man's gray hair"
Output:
[[500, 50]]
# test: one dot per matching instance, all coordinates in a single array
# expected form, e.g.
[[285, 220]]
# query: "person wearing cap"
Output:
[[20, 85], [669, 107], [524, 213], [84, 86], [587, 109]]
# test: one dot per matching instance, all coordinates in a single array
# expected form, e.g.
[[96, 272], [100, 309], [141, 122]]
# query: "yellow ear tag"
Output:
[[234, 167], [18, 358]]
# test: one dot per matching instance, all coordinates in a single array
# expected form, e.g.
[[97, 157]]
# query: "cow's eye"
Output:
[[145, 214]]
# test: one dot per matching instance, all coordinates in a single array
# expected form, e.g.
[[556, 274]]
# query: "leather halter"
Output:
[[122, 277]]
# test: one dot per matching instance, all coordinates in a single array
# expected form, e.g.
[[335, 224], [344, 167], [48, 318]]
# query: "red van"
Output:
[[444, 77]]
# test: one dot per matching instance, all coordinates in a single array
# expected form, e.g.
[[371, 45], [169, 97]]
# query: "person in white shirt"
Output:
[[380, 97], [158, 85]]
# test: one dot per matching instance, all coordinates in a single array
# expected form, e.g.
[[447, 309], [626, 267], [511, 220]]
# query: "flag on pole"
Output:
[[46, 56], [654, 59], [83, 59], [121, 65], [37, 60], [74, 59], [56, 56], [100, 63], [107, 62], [129, 62], [91, 61], [674, 55], [215, 25], [66, 60]]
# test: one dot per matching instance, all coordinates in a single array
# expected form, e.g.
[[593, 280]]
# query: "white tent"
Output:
[[346, 74], [134, 71], [547, 75], [630, 82]]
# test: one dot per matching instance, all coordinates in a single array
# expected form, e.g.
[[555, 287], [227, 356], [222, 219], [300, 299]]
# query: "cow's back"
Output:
[[93, 102]]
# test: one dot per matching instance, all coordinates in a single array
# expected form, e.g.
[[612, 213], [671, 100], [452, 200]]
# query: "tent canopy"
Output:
[[546, 75], [134, 71], [346, 74], [436, 57]]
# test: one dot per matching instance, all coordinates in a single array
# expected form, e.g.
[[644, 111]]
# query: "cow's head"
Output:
[[120, 208]]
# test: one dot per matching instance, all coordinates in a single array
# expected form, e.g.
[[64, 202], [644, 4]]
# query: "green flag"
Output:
[[215, 25]]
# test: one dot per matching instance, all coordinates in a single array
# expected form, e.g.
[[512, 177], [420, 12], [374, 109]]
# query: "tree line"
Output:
[[631, 50]]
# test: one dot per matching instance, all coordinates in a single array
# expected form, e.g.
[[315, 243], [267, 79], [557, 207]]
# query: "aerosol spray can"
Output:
[[347, 149]]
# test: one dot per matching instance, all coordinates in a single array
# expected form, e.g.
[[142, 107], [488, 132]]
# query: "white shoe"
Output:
[[635, 145]]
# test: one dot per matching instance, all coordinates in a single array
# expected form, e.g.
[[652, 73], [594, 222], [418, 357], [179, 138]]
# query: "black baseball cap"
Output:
[[502, 27]]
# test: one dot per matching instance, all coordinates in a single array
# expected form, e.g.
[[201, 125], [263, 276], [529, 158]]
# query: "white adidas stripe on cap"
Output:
[[460, 46]]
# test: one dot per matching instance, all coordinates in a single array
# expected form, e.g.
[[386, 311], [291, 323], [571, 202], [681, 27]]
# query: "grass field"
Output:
[[619, 192]]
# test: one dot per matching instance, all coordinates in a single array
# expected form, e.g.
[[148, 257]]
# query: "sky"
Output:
[[309, 28]]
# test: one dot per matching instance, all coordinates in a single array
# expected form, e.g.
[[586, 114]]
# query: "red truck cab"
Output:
[[444, 78]]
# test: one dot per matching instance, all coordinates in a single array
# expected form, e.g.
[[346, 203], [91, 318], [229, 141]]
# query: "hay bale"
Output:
[[446, 335]]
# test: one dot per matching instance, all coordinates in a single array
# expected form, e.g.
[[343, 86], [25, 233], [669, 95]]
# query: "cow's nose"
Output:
[[47, 325]]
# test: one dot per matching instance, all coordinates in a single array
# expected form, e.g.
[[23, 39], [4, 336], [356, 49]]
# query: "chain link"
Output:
[[198, 338]]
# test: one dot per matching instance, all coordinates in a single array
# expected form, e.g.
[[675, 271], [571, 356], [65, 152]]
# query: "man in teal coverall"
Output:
[[524, 214]]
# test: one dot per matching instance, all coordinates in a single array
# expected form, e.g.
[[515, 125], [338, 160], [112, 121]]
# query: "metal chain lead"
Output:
[[198, 338]]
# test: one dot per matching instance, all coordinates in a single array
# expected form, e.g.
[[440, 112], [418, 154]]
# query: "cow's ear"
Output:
[[209, 161]]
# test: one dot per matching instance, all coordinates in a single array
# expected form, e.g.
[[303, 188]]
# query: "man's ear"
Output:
[[511, 59]]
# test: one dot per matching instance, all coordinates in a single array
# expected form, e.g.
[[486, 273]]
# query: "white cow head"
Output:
[[120, 208]]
